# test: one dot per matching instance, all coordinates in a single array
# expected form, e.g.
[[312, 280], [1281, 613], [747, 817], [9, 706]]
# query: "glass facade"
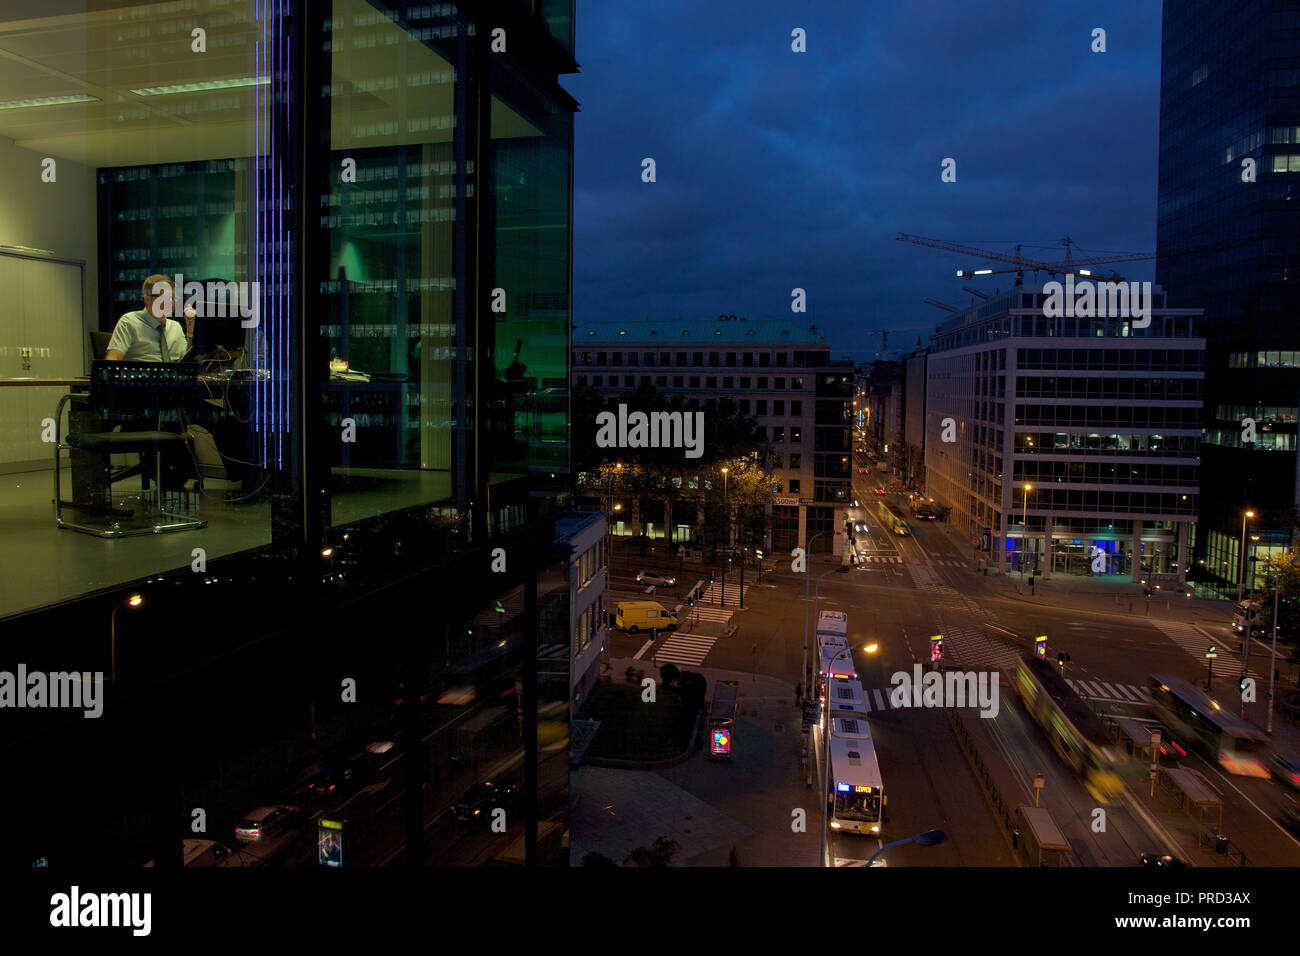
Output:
[[360, 432], [1228, 101]]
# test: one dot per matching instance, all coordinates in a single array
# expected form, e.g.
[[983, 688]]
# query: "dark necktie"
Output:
[[162, 340]]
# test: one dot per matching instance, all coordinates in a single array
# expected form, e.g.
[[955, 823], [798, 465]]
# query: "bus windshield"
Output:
[[856, 806]]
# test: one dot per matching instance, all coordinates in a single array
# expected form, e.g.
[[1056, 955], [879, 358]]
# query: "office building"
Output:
[[586, 535], [1230, 181], [1067, 444], [914, 373], [777, 372], [363, 457]]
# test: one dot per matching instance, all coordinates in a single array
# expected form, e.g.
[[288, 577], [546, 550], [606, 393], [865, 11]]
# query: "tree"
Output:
[[1285, 567], [659, 853], [593, 858]]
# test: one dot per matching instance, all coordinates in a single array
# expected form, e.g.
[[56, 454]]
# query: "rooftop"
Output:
[[700, 332]]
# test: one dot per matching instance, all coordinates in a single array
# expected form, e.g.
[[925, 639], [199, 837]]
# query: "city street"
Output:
[[902, 590]]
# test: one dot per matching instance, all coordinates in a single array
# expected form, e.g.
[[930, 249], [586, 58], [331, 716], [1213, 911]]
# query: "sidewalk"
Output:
[[708, 806]]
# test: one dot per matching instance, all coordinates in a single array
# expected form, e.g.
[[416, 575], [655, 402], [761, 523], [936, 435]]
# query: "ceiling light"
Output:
[[49, 101], [205, 86]]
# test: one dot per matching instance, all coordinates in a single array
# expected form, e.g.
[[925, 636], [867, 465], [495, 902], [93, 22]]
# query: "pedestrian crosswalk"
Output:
[[970, 632], [869, 558], [731, 598], [701, 613], [1196, 642], [680, 648], [1110, 691]]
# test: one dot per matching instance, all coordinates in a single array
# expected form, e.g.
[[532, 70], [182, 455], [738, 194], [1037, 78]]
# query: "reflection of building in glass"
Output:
[[365, 610], [1246, 280]]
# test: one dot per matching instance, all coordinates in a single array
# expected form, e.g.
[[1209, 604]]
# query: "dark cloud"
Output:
[[778, 169]]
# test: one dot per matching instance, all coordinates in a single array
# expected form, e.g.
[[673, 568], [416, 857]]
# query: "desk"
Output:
[[47, 382]]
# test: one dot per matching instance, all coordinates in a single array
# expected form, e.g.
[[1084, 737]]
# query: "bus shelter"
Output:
[[1137, 735], [1191, 790], [1041, 840]]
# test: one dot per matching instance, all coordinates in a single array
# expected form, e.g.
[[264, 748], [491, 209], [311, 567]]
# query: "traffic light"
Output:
[[1241, 685], [690, 599], [1148, 592], [1040, 647], [710, 577]]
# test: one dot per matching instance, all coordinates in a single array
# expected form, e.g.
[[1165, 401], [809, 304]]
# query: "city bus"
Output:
[[890, 519], [1076, 733], [855, 791], [722, 719], [833, 624], [846, 698], [1232, 743]]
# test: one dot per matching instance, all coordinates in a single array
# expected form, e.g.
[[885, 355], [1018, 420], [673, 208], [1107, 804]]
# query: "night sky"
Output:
[[779, 169]]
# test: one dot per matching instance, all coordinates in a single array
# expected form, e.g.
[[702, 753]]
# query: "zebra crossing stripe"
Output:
[[1110, 691], [1126, 692], [1088, 690]]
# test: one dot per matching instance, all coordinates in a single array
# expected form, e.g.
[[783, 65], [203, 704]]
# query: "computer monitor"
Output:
[[216, 339]]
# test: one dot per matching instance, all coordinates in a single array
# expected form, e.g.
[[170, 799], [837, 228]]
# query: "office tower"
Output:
[[1230, 180], [1098, 417]]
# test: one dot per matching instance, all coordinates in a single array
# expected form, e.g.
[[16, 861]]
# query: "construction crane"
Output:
[[1069, 265]]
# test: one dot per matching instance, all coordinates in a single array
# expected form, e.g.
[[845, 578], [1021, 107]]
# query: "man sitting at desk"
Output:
[[148, 335]]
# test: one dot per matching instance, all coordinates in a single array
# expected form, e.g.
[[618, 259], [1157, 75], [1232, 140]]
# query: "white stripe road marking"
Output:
[[880, 701], [1110, 691], [1088, 689], [1126, 692], [644, 647]]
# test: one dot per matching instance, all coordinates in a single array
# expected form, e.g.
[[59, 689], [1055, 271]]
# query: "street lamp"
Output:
[[1241, 578], [826, 738], [134, 600], [726, 535], [1272, 670], [807, 583], [929, 838], [1024, 528]]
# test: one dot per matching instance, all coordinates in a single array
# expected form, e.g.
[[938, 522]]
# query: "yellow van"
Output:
[[636, 616]]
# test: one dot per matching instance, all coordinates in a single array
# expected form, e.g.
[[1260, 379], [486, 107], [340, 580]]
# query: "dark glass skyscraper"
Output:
[[1230, 180]]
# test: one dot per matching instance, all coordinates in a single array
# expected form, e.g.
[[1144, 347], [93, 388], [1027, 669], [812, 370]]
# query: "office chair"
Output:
[[131, 387], [99, 345]]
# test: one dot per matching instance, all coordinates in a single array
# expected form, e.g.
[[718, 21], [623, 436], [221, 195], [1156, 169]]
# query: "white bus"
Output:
[[855, 796], [834, 658], [846, 699], [1234, 744]]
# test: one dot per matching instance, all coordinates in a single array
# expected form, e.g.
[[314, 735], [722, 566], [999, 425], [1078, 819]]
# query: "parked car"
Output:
[[266, 823], [478, 802], [656, 579]]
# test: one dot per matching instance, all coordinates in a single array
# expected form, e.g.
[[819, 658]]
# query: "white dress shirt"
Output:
[[137, 336]]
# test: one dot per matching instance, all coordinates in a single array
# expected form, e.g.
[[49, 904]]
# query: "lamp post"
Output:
[[134, 600], [1241, 578], [1277, 590], [1024, 527], [807, 583], [929, 838], [726, 537]]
